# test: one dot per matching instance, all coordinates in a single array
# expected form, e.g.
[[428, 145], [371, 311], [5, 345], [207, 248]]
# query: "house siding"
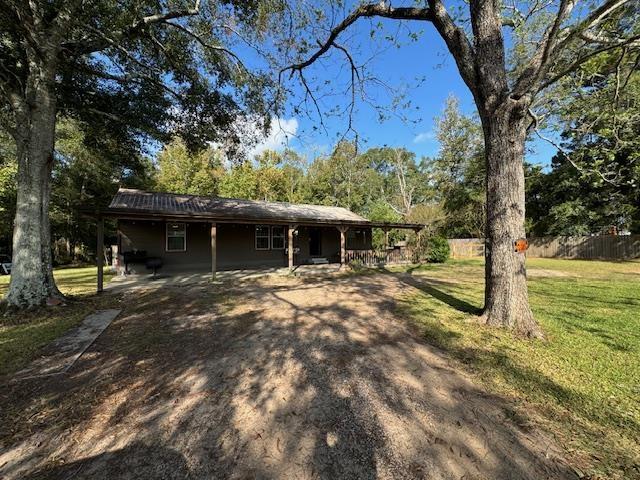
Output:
[[150, 236], [329, 245], [236, 249], [235, 246]]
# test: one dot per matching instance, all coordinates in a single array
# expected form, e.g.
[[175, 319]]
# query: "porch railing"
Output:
[[380, 257]]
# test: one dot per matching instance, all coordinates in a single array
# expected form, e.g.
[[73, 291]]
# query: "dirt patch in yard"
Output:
[[272, 379]]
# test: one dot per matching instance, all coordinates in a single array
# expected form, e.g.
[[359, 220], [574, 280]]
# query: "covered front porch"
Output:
[[215, 248]]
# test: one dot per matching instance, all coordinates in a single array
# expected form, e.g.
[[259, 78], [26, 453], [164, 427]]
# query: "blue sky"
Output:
[[425, 59]]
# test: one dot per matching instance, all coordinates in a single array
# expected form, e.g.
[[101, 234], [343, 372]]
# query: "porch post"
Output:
[[343, 244], [386, 237], [290, 231], [214, 254], [290, 247], [100, 253]]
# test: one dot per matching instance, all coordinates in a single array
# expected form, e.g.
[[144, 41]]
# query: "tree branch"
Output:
[[577, 63], [363, 11], [354, 75], [566, 154], [539, 63], [239, 65], [457, 42], [309, 93], [110, 116], [127, 77], [163, 17], [555, 41], [455, 38], [615, 42], [594, 18], [85, 46]]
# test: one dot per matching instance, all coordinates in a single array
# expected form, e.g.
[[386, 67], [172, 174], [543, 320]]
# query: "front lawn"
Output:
[[583, 382], [23, 334]]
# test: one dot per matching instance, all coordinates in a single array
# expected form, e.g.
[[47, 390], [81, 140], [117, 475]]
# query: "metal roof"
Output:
[[140, 203]]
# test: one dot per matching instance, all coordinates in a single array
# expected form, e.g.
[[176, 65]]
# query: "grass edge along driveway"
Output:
[[583, 382], [22, 335]]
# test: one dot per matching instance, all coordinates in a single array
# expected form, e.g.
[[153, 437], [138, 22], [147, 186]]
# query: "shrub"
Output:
[[437, 250], [356, 265]]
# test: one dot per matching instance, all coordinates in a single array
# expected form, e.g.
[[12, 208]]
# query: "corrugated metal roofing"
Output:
[[139, 201]]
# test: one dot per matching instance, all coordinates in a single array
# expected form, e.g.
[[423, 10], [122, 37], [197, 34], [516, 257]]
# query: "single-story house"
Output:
[[200, 233]]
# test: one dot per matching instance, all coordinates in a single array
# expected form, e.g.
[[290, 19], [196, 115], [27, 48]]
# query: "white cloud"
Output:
[[424, 137], [282, 131]]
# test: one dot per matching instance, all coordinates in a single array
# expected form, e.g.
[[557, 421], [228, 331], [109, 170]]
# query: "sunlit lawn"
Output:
[[21, 335], [583, 382]]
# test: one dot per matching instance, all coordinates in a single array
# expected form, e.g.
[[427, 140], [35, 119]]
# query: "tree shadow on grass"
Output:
[[428, 286]]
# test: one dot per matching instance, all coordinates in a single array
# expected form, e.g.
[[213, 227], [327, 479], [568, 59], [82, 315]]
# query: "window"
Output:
[[176, 237], [352, 239], [262, 237], [357, 239], [277, 238]]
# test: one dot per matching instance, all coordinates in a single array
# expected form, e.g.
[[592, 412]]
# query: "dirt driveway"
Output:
[[272, 379]]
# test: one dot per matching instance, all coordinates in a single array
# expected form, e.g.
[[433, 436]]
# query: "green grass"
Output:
[[23, 334], [583, 382]]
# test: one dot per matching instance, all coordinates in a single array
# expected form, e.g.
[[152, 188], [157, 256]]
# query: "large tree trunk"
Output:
[[506, 297], [32, 276]]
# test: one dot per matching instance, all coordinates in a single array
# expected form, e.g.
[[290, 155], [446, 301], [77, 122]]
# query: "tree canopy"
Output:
[[139, 72], [129, 73]]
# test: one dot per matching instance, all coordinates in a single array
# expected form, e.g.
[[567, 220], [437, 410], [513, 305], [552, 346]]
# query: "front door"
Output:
[[315, 243]]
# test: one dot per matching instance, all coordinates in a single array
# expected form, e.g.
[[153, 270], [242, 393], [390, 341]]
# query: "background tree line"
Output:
[[573, 196]]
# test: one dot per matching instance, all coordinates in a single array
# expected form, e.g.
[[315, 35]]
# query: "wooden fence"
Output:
[[380, 257], [611, 247], [466, 247]]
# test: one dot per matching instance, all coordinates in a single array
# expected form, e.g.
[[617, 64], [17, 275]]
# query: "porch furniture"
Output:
[[153, 263], [136, 256]]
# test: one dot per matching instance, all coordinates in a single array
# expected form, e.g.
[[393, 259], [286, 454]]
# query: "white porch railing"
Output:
[[380, 257]]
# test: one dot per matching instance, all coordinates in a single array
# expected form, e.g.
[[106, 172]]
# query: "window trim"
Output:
[[166, 237], [268, 237], [284, 237]]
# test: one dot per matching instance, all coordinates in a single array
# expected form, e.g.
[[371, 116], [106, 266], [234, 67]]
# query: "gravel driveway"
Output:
[[274, 379]]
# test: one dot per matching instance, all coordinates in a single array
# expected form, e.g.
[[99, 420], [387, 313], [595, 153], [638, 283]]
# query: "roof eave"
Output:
[[121, 212], [160, 214]]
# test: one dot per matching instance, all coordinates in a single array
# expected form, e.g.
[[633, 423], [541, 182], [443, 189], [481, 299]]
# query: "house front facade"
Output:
[[186, 245], [188, 233]]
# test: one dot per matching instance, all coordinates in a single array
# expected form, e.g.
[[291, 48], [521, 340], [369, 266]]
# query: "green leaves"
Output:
[[8, 172], [146, 70], [182, 171], [459, 172]]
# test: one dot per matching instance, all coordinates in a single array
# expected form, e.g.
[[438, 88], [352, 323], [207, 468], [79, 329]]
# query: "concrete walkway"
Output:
[[60, 355]]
